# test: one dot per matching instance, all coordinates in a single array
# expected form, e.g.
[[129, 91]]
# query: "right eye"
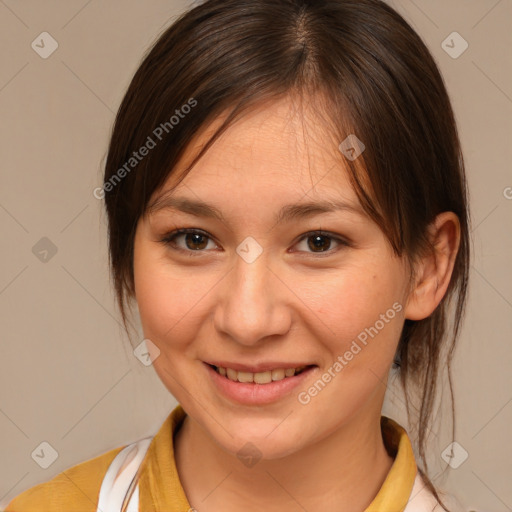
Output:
[[195, 240]]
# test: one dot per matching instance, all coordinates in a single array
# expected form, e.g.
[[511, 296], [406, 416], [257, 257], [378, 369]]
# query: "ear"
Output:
[[434, 270]]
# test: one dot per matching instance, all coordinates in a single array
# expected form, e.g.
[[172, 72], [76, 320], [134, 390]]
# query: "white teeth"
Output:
[[263, 377], [260, 377], [278, 374], [245, 377]]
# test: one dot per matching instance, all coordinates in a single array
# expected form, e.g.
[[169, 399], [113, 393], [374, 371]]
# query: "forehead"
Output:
[[276, 153]]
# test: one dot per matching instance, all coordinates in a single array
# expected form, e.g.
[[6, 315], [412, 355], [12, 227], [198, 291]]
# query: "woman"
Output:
[[287, 206]]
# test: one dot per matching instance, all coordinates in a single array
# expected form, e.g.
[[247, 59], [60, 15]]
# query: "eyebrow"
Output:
[[287, 213]]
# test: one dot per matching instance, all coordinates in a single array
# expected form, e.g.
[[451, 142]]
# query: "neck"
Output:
[[342, 471]]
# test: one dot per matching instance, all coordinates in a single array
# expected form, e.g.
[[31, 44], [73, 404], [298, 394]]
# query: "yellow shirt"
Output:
[[77, 489]]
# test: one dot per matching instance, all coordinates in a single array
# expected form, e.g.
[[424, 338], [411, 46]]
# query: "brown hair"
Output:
[[369, 73]]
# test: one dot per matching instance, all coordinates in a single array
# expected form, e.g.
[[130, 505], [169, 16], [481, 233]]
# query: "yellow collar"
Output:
[[160, 487]]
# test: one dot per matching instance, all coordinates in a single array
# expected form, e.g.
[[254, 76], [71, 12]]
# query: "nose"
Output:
[[252, 303]]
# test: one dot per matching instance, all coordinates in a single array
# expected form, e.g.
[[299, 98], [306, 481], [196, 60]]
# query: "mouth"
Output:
[[260, 377], [260, 388]]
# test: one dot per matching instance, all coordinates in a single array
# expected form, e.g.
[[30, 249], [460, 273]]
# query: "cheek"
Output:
[[362, 309], [364, 314], [165, 302], [166, 309]]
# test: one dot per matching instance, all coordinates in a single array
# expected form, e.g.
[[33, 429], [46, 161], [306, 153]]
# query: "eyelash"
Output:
[[169, 241]]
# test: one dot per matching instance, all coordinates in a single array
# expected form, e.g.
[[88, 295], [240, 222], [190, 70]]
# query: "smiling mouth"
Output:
[[265, 377]]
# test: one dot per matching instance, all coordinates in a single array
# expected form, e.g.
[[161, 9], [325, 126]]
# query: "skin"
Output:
[[293, 303]]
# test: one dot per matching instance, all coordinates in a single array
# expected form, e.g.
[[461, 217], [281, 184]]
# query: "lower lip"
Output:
[[250, 393]]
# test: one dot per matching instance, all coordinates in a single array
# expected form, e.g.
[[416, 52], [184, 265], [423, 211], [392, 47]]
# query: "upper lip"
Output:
[[257, 368]]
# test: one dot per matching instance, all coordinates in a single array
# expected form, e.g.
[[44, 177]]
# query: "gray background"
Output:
[[67, 372]]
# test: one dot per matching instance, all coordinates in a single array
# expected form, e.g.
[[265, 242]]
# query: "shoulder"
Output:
[[422, 500], [76, 488]]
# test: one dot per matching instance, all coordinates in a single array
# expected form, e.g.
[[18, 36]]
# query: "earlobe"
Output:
[[434, 270]]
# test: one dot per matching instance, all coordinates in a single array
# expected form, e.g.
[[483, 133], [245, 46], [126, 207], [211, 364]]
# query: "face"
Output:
[[250, 288]]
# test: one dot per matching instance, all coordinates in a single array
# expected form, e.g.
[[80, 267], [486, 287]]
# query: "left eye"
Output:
[[196, 240], [322, 241]]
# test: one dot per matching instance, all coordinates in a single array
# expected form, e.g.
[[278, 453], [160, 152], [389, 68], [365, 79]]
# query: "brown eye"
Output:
[[321, 242], [317, 242], [194, 240]]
